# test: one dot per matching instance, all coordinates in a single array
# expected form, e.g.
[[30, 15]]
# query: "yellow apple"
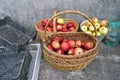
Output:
[[95, 20], [84, 28], [88, 24], [98, 33], [91, 28], [103, 30], [97, 25], [88, 32], [60, 21]]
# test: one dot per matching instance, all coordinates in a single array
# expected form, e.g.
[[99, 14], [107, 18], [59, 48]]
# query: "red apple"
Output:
[[49, 29], [85, 50], [71, 43], [55, 44], [78, 51], [41, 28], [50, 47], [51, 24], [64, 40], [57, 38], [65, 46], [44, 21], [59, 51], [59, 27], [88, 45], [71, 51], [64, 26], [72, 28], [78, 43], [70, 24], [65, 30]]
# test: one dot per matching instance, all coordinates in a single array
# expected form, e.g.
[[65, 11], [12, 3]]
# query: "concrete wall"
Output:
[[27, 12]]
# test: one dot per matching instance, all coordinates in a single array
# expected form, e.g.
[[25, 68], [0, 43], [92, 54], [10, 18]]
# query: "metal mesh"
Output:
[[14, 66]]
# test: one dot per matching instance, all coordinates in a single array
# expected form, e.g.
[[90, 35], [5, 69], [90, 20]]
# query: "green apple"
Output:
[[60, 21], [84, 28], [103, 30], [88, 24], [95, 20], [97, 25], [98, 33], [88, 32], [91, 28]]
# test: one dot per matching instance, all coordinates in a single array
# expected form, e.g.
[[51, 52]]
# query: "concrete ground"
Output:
[[106, 66]]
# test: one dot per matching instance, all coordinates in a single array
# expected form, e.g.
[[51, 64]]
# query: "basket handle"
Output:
[[69, 12]]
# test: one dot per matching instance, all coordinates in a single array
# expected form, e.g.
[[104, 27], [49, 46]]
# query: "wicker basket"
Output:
[[41, 33], [69, 62]]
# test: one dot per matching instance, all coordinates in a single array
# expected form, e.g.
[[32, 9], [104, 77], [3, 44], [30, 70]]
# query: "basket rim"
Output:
[[72, 56]]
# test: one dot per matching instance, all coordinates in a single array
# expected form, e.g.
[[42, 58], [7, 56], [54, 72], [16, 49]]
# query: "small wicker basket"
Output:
[[41, 33], [69, 62]]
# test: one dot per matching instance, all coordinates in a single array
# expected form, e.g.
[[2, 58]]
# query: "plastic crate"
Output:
[[14, 66], [14, 36], [35, 51]]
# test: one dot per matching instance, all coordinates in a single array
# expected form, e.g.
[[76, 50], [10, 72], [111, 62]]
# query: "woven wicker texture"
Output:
[[70, 62]]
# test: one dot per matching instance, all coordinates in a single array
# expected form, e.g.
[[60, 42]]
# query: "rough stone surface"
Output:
[[107, 64]]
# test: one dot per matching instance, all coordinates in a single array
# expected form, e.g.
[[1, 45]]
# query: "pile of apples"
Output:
[[69, 47], [61, 25], [101, 26]]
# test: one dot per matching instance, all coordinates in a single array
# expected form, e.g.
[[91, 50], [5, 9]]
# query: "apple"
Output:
[[88, 45], [72, 28], [65, 30], [41, 28], [65, 46], [50, 47], [88, 32], [57, 38], [59, 51], [95, 20], [97, 25], [104, 23], [78, 43], [71, 51], [70, 24], [60, 21], [64, 40], [91, 28], [78, 51], [71, 43], [84, 28], [49, 29], [51, 24], [98, 33], [64, 26], [44, 21], [103, 30], [55, 44], [88, 24], [59, 27], [85, 50]]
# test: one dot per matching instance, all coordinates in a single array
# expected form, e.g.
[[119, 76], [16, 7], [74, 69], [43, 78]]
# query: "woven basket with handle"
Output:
[[69, 62]]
